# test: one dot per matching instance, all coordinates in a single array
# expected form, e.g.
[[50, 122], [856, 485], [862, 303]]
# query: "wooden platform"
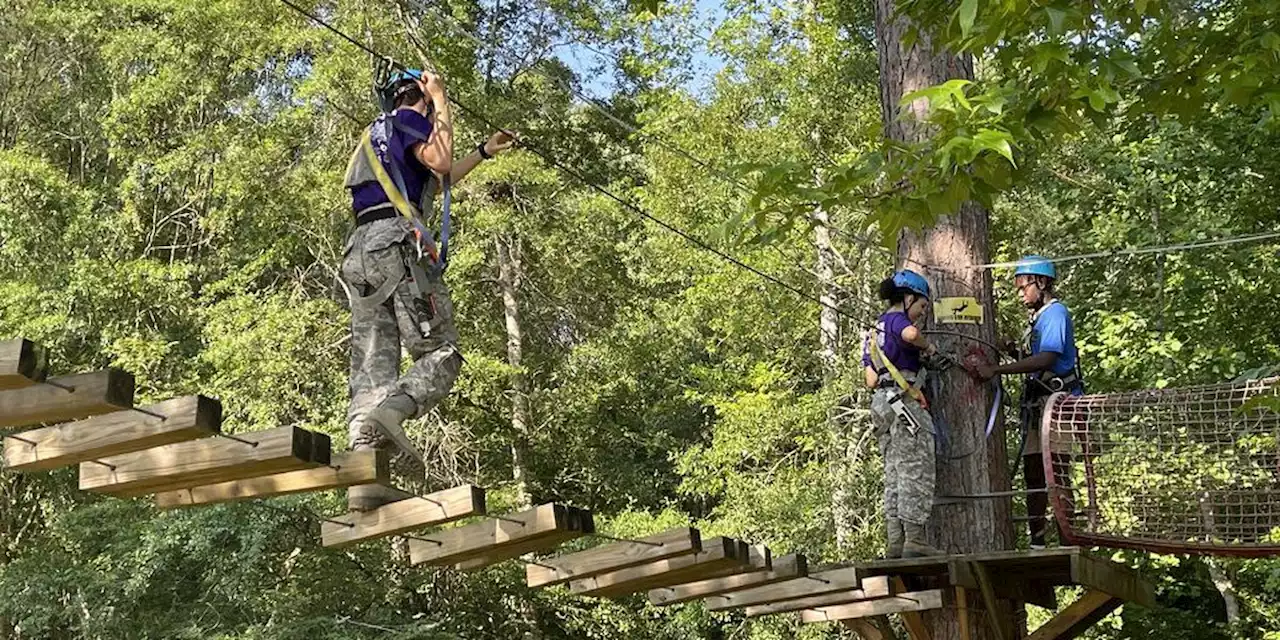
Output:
[[868, 590], [175, 449]]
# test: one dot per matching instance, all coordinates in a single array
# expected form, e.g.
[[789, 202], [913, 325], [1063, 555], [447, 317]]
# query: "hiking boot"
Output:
[[893, 538], [388, 418], [915, 545]]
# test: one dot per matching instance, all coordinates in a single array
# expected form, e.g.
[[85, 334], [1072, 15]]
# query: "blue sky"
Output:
[[705, 65]]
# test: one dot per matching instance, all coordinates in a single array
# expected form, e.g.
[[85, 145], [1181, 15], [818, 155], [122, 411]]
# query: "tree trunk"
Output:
[[509, 276], [1226, 588], [829, 350], [509, 282], [974, 464]]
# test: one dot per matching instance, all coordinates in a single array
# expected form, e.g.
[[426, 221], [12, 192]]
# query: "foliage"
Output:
[[169, 204]]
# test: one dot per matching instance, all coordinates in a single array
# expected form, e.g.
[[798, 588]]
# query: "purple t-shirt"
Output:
[[888, 334], [397, 149]]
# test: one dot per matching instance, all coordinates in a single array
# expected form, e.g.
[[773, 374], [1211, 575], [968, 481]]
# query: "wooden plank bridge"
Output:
[[176, 452]]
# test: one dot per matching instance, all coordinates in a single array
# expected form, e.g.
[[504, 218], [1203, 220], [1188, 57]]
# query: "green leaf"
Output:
[[997, 141], [968, 15], [1057, 17]]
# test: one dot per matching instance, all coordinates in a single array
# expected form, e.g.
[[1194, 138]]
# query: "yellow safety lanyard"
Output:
[[878, 356], [397, 199]]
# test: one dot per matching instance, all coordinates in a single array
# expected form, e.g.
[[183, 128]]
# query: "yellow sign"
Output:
[[957, 311]]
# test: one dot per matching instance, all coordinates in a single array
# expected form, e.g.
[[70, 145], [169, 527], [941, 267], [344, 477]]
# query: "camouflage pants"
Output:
[[375, 254], [908, 459]]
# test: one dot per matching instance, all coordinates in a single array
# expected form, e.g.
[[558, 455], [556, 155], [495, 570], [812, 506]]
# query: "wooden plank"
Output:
[[1069, 623], [784, 568], [112, 434], [199, 462], [371, 466], [906, 602], [78, 396], [321, 448], [813, 584], [1014, 587], [452, 546], [581, 523], [1054, 563], [717, 555], [912, 621], [1113, 578], [22, 363], [873, 587], [999, 624], [757, 559], [402, 516], [614, 556]]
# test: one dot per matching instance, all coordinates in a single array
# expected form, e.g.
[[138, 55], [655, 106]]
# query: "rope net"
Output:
[[1191, 470]]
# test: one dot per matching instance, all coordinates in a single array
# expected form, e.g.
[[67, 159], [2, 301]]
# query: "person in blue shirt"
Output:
[[393, 270], [892, 355], [1050, 362]]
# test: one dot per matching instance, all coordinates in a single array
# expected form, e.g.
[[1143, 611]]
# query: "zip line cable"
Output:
[[1171, 248], [455, 25]]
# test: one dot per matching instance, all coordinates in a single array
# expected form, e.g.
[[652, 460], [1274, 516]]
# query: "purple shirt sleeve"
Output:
[[417, 122]]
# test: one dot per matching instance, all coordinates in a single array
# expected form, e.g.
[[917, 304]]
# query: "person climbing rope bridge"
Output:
[[393, 269]]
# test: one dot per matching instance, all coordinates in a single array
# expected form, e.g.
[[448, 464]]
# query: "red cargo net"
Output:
[[1193, 470]]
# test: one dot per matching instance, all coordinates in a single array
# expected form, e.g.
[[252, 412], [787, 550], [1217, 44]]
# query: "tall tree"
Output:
[[941, 252]]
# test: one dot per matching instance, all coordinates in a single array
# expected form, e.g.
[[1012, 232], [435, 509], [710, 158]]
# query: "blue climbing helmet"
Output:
[[911, 281], [1036, 266], [396, 84]]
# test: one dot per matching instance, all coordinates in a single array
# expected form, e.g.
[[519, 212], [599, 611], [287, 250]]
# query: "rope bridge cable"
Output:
[[661, 141], [1190, 470], [1162, 249]]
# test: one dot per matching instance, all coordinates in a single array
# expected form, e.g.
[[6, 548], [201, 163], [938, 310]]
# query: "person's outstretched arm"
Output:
[[497, 143]]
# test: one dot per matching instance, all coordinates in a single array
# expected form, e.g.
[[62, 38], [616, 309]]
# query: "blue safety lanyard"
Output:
[[447, 199]]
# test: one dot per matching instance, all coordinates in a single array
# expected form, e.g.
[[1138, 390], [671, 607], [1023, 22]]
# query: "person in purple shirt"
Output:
[[903, 427], [393, 271], [1050, 362]]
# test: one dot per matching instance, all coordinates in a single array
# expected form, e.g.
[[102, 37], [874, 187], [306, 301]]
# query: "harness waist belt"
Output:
[[1058, 383], [373, 215], [887, 381]]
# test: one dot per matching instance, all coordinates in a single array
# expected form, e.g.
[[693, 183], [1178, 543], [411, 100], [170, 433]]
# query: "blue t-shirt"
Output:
[[1053, 332], [398, 149], [888, 334]]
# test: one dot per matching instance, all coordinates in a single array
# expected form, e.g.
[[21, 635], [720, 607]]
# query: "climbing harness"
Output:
[[1051, 382], [892, 376], [365, 163]]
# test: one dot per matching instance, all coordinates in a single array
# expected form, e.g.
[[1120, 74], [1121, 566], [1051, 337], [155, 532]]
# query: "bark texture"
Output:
[[972, 464]]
